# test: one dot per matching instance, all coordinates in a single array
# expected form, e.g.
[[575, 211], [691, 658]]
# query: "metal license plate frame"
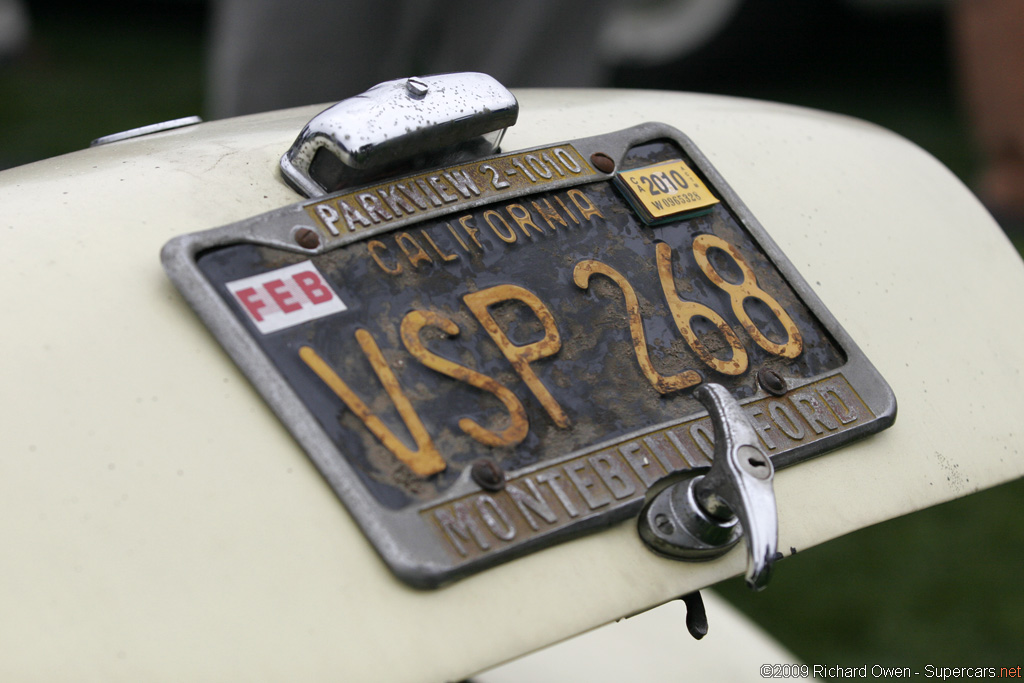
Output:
[[466, 528]]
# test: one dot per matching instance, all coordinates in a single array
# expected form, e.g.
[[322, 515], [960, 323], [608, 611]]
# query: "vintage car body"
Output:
[[157, 521]]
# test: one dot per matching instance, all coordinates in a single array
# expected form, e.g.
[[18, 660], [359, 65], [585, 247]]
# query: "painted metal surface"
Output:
[[157, 520], [650, 647]]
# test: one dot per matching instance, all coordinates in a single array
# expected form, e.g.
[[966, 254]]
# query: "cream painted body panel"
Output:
[[652, 647], [157, 521]]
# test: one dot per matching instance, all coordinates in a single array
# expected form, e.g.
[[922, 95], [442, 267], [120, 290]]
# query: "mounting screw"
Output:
[[306, 238], [488, 475], [414, 87], [772, 382], [602, 162]]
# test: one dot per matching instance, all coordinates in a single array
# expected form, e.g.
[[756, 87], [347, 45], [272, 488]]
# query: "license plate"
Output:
[[489, 358]]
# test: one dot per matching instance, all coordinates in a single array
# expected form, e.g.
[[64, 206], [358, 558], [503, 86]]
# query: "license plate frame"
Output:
[[466, 528]]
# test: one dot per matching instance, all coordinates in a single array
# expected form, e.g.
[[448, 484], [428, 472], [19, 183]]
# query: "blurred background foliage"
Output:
[[938, 587]]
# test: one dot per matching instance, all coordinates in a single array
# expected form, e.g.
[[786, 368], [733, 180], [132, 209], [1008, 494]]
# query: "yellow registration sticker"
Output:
[[665, 191]]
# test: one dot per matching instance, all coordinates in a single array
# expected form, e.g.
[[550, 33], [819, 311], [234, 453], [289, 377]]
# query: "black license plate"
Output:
[[488, 358]]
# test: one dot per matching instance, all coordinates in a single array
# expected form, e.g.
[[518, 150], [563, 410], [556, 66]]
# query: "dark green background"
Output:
[[939, 587]]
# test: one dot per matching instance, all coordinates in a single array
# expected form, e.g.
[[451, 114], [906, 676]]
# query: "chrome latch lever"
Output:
[[702, 517]]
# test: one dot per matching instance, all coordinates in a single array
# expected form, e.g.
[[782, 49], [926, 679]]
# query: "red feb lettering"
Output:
[[312, 284], [285, 297]]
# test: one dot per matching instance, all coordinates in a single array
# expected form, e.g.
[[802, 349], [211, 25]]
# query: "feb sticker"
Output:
[[283, 298]]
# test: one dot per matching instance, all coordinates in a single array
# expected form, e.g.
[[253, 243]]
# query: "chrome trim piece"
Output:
[[147, 130]]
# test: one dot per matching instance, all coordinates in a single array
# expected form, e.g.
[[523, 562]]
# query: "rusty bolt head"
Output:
[[772, 382], [306, 238], [488, 475], [602, 162]]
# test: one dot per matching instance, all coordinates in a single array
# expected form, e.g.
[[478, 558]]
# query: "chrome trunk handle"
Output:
[[397, 127]]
